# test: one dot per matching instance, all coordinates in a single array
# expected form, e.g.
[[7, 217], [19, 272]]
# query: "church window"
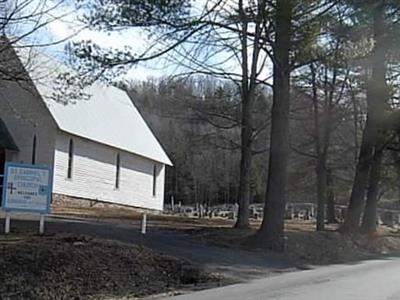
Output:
[[117, 171], [154, 179], [70, 158], [34, 149]]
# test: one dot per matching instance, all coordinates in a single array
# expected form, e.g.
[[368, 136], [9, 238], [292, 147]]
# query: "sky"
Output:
[[69, 26], [63, 23]]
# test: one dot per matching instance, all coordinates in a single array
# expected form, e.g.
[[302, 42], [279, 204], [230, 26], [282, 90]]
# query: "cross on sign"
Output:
[[11, 187]]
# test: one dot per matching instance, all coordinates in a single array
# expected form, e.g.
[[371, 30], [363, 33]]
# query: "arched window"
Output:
[[154, 179], [117, 171], [70, 158], [34, 149]]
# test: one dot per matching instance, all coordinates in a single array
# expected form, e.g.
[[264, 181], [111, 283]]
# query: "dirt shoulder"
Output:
[[80, 267], [305, 246], [103, 257]]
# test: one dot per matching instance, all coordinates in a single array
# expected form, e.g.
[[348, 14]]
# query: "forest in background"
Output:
[[197, 121], [296, 98]]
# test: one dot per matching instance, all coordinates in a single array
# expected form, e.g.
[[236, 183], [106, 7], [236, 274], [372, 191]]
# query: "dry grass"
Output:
[[305, 246], [131, 215]]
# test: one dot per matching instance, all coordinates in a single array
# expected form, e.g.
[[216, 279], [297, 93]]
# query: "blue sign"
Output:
[[27, 188]]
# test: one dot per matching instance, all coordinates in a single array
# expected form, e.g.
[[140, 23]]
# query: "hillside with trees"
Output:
[[275, 101]]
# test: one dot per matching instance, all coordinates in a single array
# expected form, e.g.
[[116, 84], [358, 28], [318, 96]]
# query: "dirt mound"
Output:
[[333, 247], [305, 246], [78, 267]]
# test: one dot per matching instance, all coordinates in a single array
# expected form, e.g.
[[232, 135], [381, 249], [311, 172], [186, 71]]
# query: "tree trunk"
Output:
[[322, 133], [246, 131], [396, 158], [369, 218], [330, 211], [376, 99], [271, 232], [321, 147], [355, 122], [321, 192], [356, 204], [248, 95], [245, 165]]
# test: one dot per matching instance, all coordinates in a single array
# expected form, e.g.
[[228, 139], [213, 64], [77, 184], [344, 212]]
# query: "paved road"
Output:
[[368, 280], [234, 264]]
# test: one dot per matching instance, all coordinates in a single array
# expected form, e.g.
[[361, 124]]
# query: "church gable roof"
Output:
[[108, 116]]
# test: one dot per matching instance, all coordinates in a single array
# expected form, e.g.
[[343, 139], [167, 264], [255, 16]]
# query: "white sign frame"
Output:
[[43, 188]]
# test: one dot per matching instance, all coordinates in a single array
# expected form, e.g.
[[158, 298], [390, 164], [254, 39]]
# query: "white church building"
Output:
[[97, 142]]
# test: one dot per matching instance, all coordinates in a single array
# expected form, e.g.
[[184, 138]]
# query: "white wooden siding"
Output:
[[94, 170], [25, 115]]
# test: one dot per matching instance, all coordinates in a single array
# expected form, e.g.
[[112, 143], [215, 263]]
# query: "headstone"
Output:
[[201, 211]]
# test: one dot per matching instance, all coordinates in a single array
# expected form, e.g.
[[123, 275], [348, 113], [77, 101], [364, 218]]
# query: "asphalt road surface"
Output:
[[369, 280]]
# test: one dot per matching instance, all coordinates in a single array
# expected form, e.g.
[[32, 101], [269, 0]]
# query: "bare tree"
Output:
[[293, 35], [272, 227], [377, 97], [208, 43], [23, 25]]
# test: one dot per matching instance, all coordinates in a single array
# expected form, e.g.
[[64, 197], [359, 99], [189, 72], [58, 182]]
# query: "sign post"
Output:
[[41, 226], [27, 188], [7, 225], [144, 223]]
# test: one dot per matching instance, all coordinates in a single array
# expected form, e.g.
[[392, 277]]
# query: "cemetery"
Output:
[[293, 211]]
